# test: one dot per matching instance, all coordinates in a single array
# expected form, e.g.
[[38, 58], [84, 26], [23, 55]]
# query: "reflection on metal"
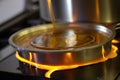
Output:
[[102, 11]]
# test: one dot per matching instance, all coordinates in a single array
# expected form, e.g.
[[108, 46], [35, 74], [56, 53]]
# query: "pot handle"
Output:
[[117, 26], [117, 29]]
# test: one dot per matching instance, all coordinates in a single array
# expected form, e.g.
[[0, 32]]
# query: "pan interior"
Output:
[[62, 39], [65, 37]]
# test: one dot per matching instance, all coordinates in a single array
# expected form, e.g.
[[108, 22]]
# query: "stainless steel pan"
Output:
[[98, 38]]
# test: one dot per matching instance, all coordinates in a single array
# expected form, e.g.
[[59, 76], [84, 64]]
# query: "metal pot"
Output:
[[101, 11], [101, 39]]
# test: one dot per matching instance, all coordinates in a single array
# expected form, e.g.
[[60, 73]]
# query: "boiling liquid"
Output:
[[63, 40], [67, 38]]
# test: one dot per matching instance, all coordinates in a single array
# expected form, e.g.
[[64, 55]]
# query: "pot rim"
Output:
[[64, 50]]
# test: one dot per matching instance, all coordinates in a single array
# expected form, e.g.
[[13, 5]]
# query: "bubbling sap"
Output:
[[66, 39], [69, 38]]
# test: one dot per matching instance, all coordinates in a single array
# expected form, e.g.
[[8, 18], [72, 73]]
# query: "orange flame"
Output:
[[115, 41], [45, 67], [103, 52], [30, 56], [52, 69]]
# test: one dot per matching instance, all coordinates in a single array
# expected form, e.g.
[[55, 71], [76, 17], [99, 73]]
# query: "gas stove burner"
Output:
[[84, 73], [54, 68]]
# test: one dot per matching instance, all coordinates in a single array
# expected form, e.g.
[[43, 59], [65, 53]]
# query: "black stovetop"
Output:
[[11, 68]]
